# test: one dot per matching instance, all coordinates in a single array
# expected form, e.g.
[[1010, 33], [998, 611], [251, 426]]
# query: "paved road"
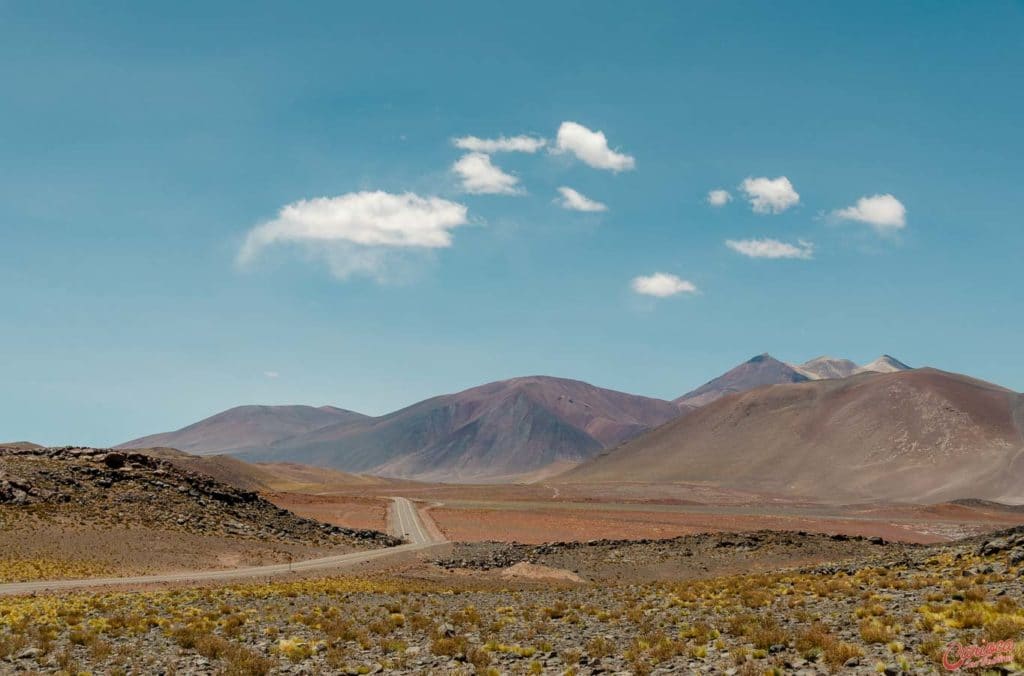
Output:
[[407, 525]]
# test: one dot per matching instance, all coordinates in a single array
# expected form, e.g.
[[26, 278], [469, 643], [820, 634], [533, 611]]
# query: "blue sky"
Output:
[[140, 147]]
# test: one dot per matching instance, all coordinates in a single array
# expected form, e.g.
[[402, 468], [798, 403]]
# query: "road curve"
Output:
[[406, 522]]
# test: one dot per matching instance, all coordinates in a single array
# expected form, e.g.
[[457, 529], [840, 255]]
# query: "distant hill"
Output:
[[25, 445], [246, 427], [915, 435], [495, 431]]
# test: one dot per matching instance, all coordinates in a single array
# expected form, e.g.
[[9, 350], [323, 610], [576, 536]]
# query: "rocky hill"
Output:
[[98, 487]]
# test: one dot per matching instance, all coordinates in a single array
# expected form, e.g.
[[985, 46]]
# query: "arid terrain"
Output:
[[808, 604], [536, 578], [75, 512]]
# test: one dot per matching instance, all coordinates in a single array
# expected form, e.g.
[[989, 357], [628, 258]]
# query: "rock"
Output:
[[852, 662], [29, 654], [113, 460], [994, 546]]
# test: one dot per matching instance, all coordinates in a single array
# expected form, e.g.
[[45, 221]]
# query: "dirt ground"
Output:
[[56, 551], [544, 513], [353, 511], [539, 525]]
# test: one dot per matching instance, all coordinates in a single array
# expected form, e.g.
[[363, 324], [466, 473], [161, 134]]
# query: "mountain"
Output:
[[827, 367], [884, 364], [501, 430], [763, 369], [246, 427], [914, 435]]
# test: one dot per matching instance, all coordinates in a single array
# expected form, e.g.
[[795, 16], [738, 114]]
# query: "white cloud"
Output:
[[577, 202], [480, 176], [271, 374], [591, 147], [662, 285], [884, 213], [360, 232], [771, 248], [508, 144], [770, 195], [719, 198]]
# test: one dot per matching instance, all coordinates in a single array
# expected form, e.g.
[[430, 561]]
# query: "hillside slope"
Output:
[[919, 435]]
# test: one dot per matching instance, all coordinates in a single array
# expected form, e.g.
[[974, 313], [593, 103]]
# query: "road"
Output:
[[406, 523]]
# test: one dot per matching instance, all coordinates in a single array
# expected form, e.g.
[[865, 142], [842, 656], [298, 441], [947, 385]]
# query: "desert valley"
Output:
[[534, 525]]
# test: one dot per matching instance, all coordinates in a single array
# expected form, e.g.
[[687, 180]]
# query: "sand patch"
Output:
[[533, 571]]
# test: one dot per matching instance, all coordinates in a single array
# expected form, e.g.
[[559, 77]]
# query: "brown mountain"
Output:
[[919, 435], [246, 427], [505, 429], [763, 369]]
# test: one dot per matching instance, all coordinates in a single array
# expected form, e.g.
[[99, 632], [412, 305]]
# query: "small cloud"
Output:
[[577, 202], [502, 144], [271, 374], [361, 232], [771, 248], [719, 198], [662, 285], [591, 147], [770, 195], [480, 176], [884, 213]]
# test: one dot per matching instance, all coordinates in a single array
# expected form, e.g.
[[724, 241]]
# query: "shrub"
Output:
[[837, 653], [873, 631], [599, 647], [295, 649], [449, 646]]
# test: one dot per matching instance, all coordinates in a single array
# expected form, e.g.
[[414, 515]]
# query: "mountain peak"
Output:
[[825, 367], [884, 364], [763, 369]]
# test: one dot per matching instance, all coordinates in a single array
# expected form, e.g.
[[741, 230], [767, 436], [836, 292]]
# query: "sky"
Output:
[[208, 204]]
